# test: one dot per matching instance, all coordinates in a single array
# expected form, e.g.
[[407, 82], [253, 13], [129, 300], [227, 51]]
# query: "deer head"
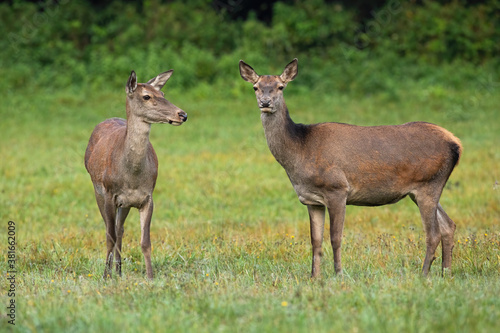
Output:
[[147, 102], [269, 88]]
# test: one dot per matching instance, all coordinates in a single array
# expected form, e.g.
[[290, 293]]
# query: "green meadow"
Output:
[[231, 246]]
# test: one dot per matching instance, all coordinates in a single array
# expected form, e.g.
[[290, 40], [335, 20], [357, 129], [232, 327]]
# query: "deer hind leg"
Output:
[[121, 215], [108, 213], [428, 212], [447, 228], [336, 211], [317, 223], [146, 212]]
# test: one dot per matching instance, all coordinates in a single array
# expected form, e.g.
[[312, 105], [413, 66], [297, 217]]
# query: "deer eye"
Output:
[[255, 88], [146, 97], [280, 87]]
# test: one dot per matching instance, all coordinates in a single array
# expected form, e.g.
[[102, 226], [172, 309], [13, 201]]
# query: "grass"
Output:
[[231, 248]]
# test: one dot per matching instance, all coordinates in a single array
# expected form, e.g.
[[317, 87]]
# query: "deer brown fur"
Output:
[[333, 165], [123, 165]]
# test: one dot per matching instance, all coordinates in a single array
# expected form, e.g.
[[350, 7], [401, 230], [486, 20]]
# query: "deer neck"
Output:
[[283, 136], [136, 142]]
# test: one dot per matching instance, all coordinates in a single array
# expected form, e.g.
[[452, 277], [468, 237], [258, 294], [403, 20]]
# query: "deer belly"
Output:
[[374, 197], [132, 198]]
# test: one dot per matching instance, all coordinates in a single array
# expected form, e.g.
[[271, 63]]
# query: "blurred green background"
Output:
[[361, 47]]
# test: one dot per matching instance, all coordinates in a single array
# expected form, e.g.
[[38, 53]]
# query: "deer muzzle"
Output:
[[181, 118], [265, 105]]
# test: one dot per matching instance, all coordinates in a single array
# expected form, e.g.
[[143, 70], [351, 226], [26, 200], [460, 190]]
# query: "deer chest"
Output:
[[132, 198]]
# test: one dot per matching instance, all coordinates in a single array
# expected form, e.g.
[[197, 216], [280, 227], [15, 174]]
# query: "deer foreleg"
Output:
[[146, 212], [336, 210], [120, 221], [317, 221]]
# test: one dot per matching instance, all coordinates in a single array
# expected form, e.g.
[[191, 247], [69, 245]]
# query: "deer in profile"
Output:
[[123, 165], [334, 164]]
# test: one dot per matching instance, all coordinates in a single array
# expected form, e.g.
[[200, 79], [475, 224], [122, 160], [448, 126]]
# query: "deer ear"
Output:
[[290, 71], [131, 83], [248, 73], [159, 81]]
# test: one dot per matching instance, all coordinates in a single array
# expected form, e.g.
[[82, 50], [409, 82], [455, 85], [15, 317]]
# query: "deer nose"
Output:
[[265, 104], [183, 115]]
